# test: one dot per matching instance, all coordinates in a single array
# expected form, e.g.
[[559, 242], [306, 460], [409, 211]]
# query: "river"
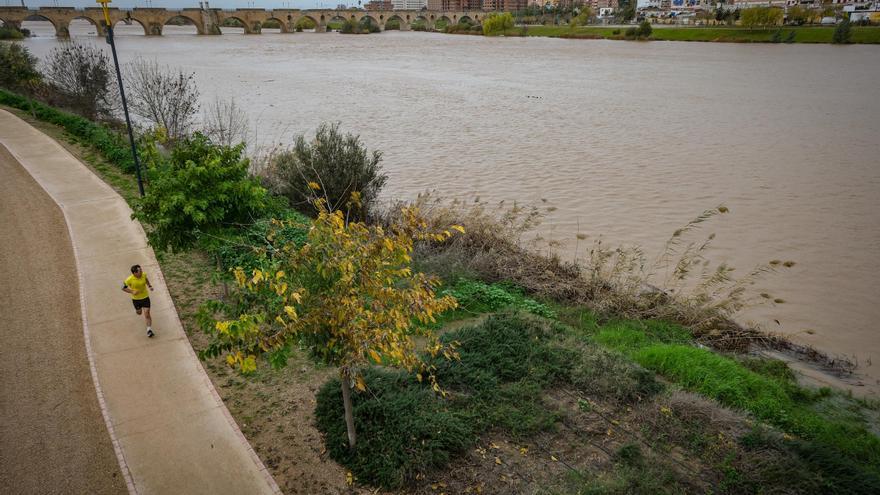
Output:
[[624, 140]]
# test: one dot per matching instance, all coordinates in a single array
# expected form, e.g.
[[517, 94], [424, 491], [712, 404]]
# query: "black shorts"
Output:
[[141, 303]]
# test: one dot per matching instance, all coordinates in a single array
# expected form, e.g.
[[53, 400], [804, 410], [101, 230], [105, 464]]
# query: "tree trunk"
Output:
[[222, 279], [346, 400]]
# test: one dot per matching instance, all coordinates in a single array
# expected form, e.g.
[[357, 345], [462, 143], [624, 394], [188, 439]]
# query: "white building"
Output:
[[409, 4]]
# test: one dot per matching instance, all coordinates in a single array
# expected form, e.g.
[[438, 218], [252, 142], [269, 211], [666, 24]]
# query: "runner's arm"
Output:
[[126, 289], [148, 281]]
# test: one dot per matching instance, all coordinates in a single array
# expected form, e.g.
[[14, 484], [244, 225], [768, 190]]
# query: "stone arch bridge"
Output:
[[209, 21]]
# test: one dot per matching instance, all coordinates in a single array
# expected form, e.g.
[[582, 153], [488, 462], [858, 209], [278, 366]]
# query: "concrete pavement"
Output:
[[169, 428]]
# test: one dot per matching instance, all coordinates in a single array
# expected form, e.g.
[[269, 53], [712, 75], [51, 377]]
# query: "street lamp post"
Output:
[[110, 41]]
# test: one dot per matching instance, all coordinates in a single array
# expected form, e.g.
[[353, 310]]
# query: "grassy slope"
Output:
[[732, 34]]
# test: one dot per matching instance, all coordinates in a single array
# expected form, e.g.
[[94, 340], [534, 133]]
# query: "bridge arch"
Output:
[[465, 19], [60, 28], [370, 20], [285, 28], [421, 23], [131, 21], [182, 20], [395, 22], [99, 26], [305, 23], [336, 18], [234, 21]]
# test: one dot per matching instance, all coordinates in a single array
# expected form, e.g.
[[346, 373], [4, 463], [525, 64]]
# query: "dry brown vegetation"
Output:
[[682, 285]]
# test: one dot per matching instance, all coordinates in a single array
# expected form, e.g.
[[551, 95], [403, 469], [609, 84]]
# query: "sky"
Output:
[[223, 4]]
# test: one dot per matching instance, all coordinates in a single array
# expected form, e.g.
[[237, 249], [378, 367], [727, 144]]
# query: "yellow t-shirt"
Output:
[[139, 285]]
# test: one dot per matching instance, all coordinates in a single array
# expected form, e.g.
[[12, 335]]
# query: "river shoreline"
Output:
[[815, 35]]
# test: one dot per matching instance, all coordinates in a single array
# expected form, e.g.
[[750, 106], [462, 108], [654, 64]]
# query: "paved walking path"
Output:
[[169, 428]]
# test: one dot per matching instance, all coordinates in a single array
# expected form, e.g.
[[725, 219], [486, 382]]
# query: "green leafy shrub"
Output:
[[111, 144], [18, 68], [842, 33], [505, 365], [200, 187], [250, 247], [10, 33], [339, 163], [392, 24], [403, 428], [479, 297], [495, 23]]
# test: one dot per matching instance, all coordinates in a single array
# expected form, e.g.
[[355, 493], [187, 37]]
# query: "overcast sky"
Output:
[[225, 4]]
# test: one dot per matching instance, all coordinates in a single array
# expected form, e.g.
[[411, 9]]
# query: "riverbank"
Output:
[[541, 432], [861, 35]]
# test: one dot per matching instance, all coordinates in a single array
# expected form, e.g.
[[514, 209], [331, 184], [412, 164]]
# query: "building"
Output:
[[378, 5], [409, 4], [599, 6], [504, 5], [445, 5]]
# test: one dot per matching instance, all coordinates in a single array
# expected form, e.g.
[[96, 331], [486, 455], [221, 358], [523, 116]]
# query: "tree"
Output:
[[797, 15], [348, 295], [626, 11], [225, 123], [168, 99], [336, 161], [496, 23], [18, 68], [760, 17], [81, 77], [583, 17], [842, 33], [201, 187]]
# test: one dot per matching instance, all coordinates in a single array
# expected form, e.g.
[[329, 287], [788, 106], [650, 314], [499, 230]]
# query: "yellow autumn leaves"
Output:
[[348, 293]]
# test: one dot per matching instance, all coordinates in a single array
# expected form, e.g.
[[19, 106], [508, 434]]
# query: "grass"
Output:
[[405, 431], [718, 34], [475, 297], [760, 388]]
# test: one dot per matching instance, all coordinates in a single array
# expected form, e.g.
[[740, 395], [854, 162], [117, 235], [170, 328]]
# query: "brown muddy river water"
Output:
[[628, 141]]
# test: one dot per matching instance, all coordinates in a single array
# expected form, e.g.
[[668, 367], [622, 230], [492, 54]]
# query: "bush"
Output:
[[842, 33], [760, 17], [200, 187], [496, 24], [11, 33], [478, 297], [82, 79], [392, 24], [18, 68], [505, 365], [336, 161], [112, 145], [249, 247]]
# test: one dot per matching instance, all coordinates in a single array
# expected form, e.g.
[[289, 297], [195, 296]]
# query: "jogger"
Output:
[[136, 285]]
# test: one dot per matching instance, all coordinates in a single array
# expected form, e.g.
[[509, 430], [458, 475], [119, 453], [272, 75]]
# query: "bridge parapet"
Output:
[[209, 21]]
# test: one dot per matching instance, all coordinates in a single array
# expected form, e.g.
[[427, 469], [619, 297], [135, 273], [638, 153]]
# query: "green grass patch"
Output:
[[506, 363], [763, 389], [818, 34], [475, 297]]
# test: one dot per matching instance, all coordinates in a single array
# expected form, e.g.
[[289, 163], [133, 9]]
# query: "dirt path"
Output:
[[52, 438]]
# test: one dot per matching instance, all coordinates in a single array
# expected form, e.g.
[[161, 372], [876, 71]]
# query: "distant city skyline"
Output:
[[222, 4]]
